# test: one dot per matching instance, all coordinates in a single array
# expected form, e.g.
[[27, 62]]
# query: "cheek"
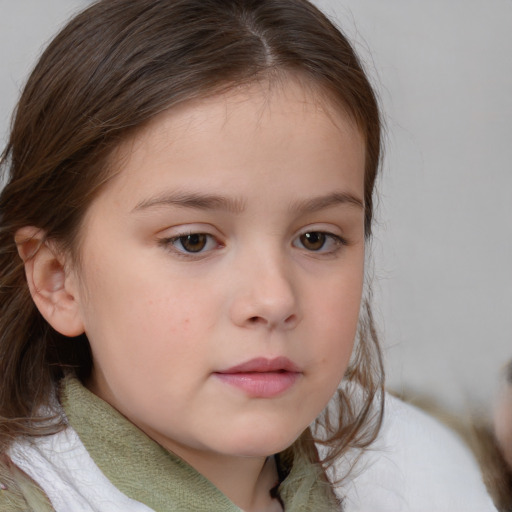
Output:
[[337, 303], [336, 310], [160, 326]]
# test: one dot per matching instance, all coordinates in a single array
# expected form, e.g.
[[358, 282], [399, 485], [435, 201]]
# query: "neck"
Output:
[[246, 481]]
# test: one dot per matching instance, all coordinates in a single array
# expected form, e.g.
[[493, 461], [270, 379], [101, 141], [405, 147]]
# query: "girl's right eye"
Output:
[[192, 243]]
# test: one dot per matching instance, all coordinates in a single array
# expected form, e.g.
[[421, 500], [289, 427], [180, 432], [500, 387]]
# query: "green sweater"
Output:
[[146, 472]]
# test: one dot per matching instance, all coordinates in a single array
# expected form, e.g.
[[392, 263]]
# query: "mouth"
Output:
[[261, 377]]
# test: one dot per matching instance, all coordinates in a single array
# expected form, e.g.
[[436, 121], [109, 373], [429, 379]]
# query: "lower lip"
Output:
[[261, 385]]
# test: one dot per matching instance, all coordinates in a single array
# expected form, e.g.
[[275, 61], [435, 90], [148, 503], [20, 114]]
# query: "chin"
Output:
[[262, 443]]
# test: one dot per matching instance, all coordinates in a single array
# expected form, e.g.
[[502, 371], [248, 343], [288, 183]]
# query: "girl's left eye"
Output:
[[193, 243], [319, 241]]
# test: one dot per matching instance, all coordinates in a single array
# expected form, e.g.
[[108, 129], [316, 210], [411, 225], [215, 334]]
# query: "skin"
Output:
[[280, 162]]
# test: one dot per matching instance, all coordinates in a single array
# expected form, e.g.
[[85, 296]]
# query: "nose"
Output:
[[266, 294]]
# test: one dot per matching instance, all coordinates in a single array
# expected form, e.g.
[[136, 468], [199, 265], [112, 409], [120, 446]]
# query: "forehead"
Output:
[[252, 125], [264, 97]]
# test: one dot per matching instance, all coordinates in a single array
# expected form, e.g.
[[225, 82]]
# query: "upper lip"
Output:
[[264, 365]]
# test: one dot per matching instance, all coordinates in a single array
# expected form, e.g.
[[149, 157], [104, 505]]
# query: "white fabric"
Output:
[[416, 465], [63, 468]]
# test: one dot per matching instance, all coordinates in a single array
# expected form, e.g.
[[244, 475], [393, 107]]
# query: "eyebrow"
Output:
[[193, 200], [322, 202], [233, 205]]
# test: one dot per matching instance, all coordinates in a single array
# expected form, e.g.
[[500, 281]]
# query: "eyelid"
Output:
[[183, 229]]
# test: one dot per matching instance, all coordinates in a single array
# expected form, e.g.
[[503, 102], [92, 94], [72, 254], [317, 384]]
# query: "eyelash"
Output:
[[335, 243]]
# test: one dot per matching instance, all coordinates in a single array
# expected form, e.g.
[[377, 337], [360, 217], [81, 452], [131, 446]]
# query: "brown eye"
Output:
[[313, 241], [193, 243]]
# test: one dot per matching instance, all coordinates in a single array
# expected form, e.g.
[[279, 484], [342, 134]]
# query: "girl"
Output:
[[182, 238]]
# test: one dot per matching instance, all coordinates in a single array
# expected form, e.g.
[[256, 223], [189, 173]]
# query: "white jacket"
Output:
[[415, 465]]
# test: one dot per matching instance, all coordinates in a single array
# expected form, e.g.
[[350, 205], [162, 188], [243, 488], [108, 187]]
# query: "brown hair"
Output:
[[107, 73]]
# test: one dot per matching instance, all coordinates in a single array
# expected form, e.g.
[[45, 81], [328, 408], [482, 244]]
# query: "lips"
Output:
[[261, 377]]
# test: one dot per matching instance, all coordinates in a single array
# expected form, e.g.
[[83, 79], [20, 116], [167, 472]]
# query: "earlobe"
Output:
[[53, 291]]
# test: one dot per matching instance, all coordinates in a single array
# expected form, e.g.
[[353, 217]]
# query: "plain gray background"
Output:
[[443, 240]]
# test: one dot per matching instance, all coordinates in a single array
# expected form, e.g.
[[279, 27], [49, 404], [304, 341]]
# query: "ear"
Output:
[[53, 288]]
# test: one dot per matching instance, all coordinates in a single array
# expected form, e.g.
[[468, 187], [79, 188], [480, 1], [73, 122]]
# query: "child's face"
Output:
[[233, 235]]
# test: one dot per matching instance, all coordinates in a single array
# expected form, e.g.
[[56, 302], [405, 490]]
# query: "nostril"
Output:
[[288, 321], [291, 319]]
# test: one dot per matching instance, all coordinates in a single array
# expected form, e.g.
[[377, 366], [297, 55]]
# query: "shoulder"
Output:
[[416, 464]]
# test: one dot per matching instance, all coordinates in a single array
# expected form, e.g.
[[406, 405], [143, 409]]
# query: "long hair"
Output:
[[112, 69]]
